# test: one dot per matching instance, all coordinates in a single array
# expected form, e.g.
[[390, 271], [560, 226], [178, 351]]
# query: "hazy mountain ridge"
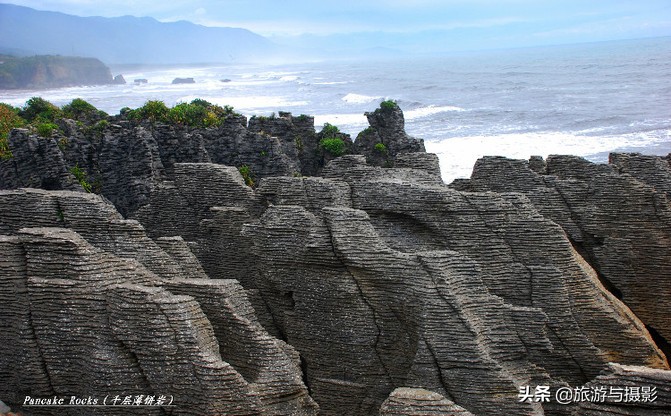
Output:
[[127, 39]]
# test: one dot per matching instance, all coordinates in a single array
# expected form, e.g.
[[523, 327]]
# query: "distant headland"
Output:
[[53, 71]]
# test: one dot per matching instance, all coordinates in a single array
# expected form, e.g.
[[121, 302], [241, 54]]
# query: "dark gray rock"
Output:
[[618, 217], [38, 162], [112, 313], [124, 159], [414, 402], [630, 390], [369, 290], [183, 81], [387, 132]]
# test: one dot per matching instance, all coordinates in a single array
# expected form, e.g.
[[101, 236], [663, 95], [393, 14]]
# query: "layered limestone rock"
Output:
[[415, 402], [362, 271], [95, 308], [617, 216], [365, 291], [629, 390], [386, 136]]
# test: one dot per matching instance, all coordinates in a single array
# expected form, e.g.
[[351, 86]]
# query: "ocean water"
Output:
[[586, 100]]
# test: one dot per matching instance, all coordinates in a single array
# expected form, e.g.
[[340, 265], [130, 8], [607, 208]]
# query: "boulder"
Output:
[[183, 81]]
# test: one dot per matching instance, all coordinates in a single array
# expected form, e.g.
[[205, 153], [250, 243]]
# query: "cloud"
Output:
[[618, 27]]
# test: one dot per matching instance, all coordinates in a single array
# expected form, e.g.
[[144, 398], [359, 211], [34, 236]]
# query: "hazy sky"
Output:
[[486, 23]]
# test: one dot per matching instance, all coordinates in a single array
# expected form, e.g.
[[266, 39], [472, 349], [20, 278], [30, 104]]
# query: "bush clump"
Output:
[[334, 145], [46, 129], [80, 175], [247, 175], [197, 113], [329, 131], [381, 148], [388, 105], [152, 110], [81, 110], [9, 119], [39, 110]]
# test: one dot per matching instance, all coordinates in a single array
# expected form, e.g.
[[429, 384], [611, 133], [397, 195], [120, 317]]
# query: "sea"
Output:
[[585, 99]]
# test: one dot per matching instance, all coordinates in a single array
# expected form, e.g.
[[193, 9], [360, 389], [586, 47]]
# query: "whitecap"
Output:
[[252, 104], [458, 155], [429, 111], [359, 98], [331, 83], [289, 78]]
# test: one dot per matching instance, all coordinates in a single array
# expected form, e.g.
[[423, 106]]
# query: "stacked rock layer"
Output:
[[367, 290]]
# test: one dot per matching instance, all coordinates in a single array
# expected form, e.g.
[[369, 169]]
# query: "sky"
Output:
[[403, 24]]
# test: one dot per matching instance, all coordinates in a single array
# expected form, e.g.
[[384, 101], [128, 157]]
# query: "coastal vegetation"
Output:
[[381, 148], [247, 175], [388, 105], [197, 113], [81, 110], [9, 119], [330, 141], [43, 117], [80, 175]]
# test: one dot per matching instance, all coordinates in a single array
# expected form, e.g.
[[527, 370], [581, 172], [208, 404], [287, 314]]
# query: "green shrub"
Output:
[[201, 103], [335, 146], [388, 105], [272, 116], [247, 175], [380, 147], [197, 113], [368, 130], [40, 110], [152, 110], [46, 129], [99, 127], [187, 114], [78, 109], [80, 175], [329, 131], [9, 119]]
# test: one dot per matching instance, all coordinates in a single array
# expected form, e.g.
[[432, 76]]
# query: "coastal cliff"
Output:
[[313, 283], [53, 71]]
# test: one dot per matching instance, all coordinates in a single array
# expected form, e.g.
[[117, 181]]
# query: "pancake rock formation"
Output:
[[368, 289]]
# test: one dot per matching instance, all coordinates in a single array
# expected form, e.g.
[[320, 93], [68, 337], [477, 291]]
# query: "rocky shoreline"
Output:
[[312, 282]]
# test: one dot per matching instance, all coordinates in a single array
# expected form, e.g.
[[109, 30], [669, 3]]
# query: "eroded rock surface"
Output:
[[414, 402], [95, 308], [365, 291], [617, 216]]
